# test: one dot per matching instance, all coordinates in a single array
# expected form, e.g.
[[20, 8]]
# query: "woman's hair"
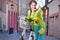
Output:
[[32, 1]]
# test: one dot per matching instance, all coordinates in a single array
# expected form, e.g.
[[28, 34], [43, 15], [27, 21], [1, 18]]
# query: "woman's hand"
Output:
[[42, 31]]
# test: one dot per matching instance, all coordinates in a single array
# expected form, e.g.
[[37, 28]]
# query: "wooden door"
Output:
[[12, 20]]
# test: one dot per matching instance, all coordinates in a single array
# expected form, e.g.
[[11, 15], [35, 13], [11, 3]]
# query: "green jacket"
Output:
[[37, 14]]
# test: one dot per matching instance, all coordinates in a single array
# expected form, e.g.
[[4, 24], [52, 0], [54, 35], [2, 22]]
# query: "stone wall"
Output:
[[54, 27]]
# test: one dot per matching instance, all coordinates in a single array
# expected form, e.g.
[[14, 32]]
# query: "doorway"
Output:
[[45, 17]]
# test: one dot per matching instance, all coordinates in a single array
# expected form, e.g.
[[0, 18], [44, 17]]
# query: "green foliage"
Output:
[[28, 19]]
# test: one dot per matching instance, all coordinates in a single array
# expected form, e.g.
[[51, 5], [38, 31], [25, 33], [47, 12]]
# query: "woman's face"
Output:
[[33, 6]]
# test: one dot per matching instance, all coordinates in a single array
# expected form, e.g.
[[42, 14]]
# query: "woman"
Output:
[[38, 24]]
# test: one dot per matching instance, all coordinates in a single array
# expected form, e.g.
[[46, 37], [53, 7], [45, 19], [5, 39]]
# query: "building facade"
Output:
[[54, 19]]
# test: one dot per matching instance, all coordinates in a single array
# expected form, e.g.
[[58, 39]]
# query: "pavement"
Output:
[[16, 36]]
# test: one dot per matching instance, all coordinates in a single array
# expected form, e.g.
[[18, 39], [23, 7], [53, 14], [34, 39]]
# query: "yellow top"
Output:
[[36, 16]]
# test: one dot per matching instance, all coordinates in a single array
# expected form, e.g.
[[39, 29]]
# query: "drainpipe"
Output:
[[54, 26], [47, 20], [19, 8], [19, 1], [6, 16]]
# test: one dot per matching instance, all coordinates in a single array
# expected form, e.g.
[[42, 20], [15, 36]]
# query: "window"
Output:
[[40, 3], [0, 4], [59, 8], [50, 1], [0, 8]]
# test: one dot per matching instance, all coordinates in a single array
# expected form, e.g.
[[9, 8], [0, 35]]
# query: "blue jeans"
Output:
[[38, 36]]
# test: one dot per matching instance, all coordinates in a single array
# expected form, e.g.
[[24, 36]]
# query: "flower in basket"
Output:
[[28, 19], [36, 20]]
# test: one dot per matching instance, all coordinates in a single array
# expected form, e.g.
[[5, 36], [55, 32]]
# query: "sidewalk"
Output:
[[50, 38], [15, 36]]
